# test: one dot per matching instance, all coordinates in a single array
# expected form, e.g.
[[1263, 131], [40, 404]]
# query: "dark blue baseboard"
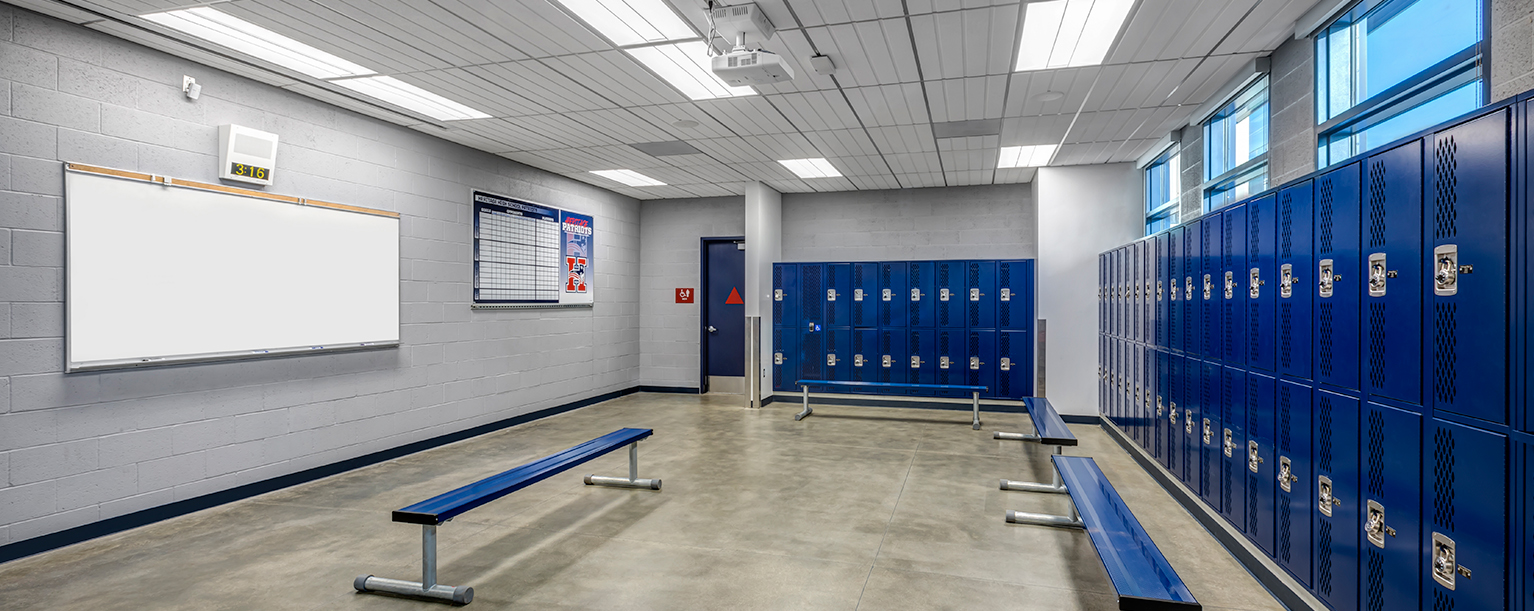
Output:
[[680, 390]]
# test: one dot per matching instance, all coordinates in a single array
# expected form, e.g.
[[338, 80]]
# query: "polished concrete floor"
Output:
[[853, 508]]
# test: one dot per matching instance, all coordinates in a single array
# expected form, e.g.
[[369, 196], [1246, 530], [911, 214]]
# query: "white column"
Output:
[[764, 246]]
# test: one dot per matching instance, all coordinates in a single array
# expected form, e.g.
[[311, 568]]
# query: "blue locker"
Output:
[[1192, 269], [1233, 285], [949, 362], [1392, 311], [921, 358], [785, 358], [1174, 275], [893, 294], [812, 351], [980, 294], [1014, 295], [1145, 414], [1261, 288], [1391, 450], [951, 297], [865, 355], [1163, 337], [1132, 288], [1464, 490], [1467, 232], [921, 306], [1210, 426], [1014, 365], [1138, 384], [1102, 293], [838, 295], [1292, 510], [785, 295], [894, 363], [1295, 220], [865, 295], [1261, 464], [1233, 449], [1189, 422], [1113, 375], [1209, 284], [1338, 286], [1172, 459], [1117, 288], [1339, 505], [980, 362], [812, 293], [838, 350], [1147, 290], [1156, 425], [1528, 528]]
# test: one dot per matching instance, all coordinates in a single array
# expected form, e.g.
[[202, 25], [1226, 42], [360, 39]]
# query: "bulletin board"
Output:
[[529, 255]]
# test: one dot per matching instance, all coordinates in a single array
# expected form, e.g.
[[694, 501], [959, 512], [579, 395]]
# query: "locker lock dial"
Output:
[[915, 294], [1188, 289], [1230, 444], [1208, 286], [1286, 477], [1253, 461], [886, 295], [1172, 416], [942, 295], [777, 358], [1006, 363], [857, 360], [1444, 566], [831, 360], [830, 294], [857, 294], [1324, 498], [1374, 526], [1187, 421], [1208, 433], [915, 362], [974, 363], [1286, 281], [1230, 285], [942, 362], [777, 294], [887, 361], [1254, 283], [1159, 289], [1159, 407], [1448, 270], [1006, 294], [1174, 289], [1378, 274], [1327, 280]]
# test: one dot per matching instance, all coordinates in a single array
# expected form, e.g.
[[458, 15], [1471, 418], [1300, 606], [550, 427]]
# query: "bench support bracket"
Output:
[[1053, 488], [428, 586], [1044, 519], [632, 481], [976, 424], [807, 411]]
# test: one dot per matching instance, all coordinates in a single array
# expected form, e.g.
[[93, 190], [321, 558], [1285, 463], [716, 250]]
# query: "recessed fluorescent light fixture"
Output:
[[810, 168], [687, 67], [248, 38], [400, 93], [1031, 156], [629, 177], [1069, 33], [631, 22]]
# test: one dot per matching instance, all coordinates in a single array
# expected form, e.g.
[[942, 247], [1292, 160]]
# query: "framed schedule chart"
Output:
[[530, 254]]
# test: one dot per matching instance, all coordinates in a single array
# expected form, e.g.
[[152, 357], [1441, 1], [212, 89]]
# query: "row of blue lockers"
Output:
[[1337, 366], [961, 322]]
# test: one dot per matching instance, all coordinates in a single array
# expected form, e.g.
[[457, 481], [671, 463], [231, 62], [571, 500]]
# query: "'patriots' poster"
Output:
[[578, 247]]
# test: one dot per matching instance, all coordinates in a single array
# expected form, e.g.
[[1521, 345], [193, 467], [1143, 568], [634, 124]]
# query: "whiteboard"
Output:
[[159, 274]]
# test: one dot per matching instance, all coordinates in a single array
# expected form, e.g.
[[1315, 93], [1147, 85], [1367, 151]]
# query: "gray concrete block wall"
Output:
[[1292, 104], [989, 222], [1512, 48], [79, 448], [669, 234]]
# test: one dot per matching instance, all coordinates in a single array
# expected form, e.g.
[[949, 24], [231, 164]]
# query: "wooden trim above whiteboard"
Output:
[[191, 184]]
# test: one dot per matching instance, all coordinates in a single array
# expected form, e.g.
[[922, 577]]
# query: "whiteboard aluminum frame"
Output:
[[71, 366]]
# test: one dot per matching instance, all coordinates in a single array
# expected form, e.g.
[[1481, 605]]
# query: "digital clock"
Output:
[[250, 171], [246, 155]]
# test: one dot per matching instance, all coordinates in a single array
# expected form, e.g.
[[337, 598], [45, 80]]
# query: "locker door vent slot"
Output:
[[1004, 346], [1285, 334], [1444, 566], [1252, 522], [1285, 526], [1445, 191], [1376, 346], [1445, 342], [1324, 497], [1442, 602], [1376, 475], [1324, 559], [1374, 589], [810, 285], [1286, 225], [1254, 351], [1324, 439], [1443, 479], [1324, 215], [1377, 204], [1324, 322]]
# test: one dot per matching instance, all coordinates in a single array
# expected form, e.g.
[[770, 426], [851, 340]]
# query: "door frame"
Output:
[[703, 244]]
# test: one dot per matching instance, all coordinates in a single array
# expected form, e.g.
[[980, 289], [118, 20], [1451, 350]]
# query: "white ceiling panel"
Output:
[[616, 77], [795, 49], [842, 143], [784, 146], [1074, 83], [969, 43], [730, 150], [862, 166], [436, 34], [745, 116], [315, 25], [964, 178], [967, 98], [1266, 27], [1048, 129], [825, 12], [621, 125], [714, 190], [915, 163], [601, 158], [867, 183], [1014, 175], [543, 85], [919, 181], [889, 104], [919, 7], [904, 139], [535, 27], [869, 53], [665, 115], [816, 110], [472, 88]]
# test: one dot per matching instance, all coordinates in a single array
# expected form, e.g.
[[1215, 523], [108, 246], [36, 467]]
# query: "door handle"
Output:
[[711, 329]]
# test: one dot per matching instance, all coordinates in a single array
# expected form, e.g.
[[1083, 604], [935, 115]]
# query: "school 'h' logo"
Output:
[[575, 280]]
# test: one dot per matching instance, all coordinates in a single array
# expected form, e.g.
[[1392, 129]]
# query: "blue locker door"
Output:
[[894, 363], [1173, 421], [1113, 375], [1261, 282], [980, 361], [949, 363], [1294, 286], [1392, 351], [1192, 269], [1156, 424], [865, 355], [1147, 280], [1339, 505], [1464, 489], [1132, 284], [1210, 424], [1147, 409], [1189, 422], [1014, 366], [1102, 293], [1261, 464], [980, 298], [812, 352], [1014, 295], [1233, 285], [838, 295], [838, 361], [1118, 293], [1209, 285], [812, 293], [1338, 286], [921, 298], [1163, 337], [893, 294], [865, 295], [921, 358], [1294, 476], [1137, 386], [1175, 261], [1233, 451], [952, 301], [1392, 453], [1467, 231], [785, 295], [785, 358]]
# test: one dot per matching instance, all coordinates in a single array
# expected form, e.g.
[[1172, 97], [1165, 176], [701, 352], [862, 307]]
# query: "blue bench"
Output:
[[1048, 429], [866, 386], [439, 509], [1141, 575]]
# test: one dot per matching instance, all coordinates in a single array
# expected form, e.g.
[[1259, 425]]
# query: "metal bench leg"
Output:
[[1055, 488], [428, 586], [1015, 436], [976, 425], [1044, 519], [633, 480], [807, 411]]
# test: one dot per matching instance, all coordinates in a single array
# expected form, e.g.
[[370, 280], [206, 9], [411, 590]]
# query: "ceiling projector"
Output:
[[741, 66]]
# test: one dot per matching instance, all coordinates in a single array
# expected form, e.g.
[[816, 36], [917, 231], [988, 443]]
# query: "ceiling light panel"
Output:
[[1069, 33], [400, 93], [631, 22], [629, 177], [686, 66], [810, 168], [1031, 156], [248, 38]]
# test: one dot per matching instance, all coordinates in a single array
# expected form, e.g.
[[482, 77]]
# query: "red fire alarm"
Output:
[[684, 295]]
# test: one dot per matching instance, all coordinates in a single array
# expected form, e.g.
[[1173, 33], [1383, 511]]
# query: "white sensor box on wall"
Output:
[[246, 155]]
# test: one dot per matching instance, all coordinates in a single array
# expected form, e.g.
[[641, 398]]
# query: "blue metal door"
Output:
[[1392, 453], [1464, 489], [981, 362], [838, 295], [1175, 262], [785, 295], [1173, 421], [1210, 425], [951, 366], [1392, 233], [812, 351], [1145, 412], [1260, 282], [1192, 269], [893, 294], [1189, 421], [865, 355], [1014, 365], [1338, 286], [838, 362], [1467, 253], [812, 293], [980, 296], [1136, 299], [785, 358], [1261, 465], [921, 359], [1147, 280], [1163, 296], [1156, 425], [1233, 285], [1339, 504], [1292, 511], [1211, 244], [952, 300], [894, 363], [726, 324], [865, 295], [1294, 287], [1233, 449], [921, 298], [1014, 295]]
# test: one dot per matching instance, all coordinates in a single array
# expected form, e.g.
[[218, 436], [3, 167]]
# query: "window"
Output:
[[1236, 148], [1162, 193], [1387, 69]]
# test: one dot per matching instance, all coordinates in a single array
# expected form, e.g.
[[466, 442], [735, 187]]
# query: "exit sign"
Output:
[[684, 295]]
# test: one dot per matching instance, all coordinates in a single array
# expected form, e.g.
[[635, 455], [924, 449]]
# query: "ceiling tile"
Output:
[[968, 43], [967, 98], [902, 104]]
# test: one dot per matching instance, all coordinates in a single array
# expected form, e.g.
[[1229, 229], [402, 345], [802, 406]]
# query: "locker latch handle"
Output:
[[1374, 526], [830, 294], [1208, 287], [857, 360], [777, 294], [887, 295], [916, 362], [1208, 433], [1187, 421], [1254, 282], [1174, 290], [1446, 276], [1378, 275], [857, 294], [942, 362], [1286, 476], [887, 361], [1172, 416], [974, 294], [1159, 290], [1252, 459], [1230, 285], [1327, 280], [1230, 444], [1006, 294], [830, 360], [916, 294], [942, 295], [1324, 499], [974, 363], [1444, 566], [1006, 364], [1188, 289], [777, 358]]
